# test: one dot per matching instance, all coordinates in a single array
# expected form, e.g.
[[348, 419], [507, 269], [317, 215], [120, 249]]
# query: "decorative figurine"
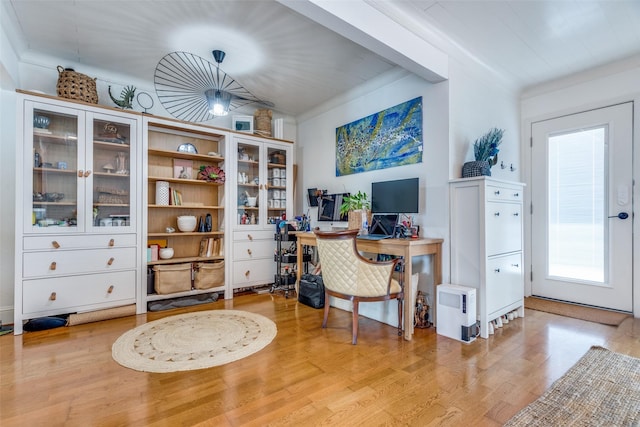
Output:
[[126, 95], [421, 316]]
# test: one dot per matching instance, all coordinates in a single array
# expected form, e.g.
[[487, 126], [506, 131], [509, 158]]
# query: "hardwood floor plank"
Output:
[[306, 376]]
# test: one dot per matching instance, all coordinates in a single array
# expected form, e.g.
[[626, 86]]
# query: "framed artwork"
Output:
[[183, 169], [242, 123], [386, 139]]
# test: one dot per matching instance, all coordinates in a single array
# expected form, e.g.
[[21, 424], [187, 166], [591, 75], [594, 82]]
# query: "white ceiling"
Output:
[[297, 64]]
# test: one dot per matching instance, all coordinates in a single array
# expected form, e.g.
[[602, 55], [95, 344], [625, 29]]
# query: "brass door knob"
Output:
[[55, 244], [52, 297], [53, 266], [110, 261]]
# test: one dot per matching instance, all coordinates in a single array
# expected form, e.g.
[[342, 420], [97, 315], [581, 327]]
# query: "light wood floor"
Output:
[[306, 376]]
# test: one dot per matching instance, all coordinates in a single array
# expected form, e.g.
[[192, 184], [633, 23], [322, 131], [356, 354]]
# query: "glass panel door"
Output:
[[577, 210], [248, 189], [54, 172], [111, 178], [277, 184]]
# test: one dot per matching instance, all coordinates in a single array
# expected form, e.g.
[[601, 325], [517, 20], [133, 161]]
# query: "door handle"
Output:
[[621, 215]]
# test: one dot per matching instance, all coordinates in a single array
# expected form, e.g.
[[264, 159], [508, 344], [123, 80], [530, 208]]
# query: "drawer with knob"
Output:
[[504, 193], [78, 293], [59, 242], [253, 272], [54, 263]]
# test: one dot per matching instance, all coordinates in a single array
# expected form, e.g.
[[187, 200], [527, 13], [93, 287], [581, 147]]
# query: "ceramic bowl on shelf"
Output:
[[252, 201], [187, 223], [166, 253]]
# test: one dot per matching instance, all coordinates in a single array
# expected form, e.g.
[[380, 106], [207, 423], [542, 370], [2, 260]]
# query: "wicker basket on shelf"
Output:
[[76, 86], [115, 196], [263, 122]]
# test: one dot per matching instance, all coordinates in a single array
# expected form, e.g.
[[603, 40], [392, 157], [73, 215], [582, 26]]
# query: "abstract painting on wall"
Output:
[[389, 138]]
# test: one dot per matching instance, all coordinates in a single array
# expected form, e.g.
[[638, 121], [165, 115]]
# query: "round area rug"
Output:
[[193, 341]]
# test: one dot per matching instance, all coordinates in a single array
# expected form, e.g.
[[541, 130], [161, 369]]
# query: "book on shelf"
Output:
[[220, 247], [203, 247], [175, 197], [210, 247], [154, 252]]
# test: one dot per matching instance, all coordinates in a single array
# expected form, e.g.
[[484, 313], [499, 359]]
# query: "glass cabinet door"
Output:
[[52, 169], [110, 178], [250, 183], [276, 183]]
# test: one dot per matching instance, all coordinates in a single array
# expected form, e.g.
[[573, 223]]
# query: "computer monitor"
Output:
[[399, 196]]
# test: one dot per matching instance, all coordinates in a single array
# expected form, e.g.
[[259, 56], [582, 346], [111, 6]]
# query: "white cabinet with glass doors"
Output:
[[262, 196], [77, 216]]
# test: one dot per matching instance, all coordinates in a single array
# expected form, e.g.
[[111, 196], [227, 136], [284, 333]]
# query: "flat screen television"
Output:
[[399, 196], [329, 207]]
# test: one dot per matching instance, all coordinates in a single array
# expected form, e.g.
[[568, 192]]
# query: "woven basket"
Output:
[[263, 122], [476, 168], [80, 87]]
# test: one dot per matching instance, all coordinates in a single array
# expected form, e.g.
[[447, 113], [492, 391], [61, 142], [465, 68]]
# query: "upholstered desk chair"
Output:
[[348, 275]]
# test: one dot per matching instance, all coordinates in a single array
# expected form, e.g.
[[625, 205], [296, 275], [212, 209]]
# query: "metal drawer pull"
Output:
[[516, 194], [247, 273], [497, 193], [80, 173], [496, 214], [497, 270], [52, 266], [516, 214], [515, 265], [110, 290], [250, 237], [55, 244], [249, 251], [110, 261], [112, 242], [52, 297], [87, 173]]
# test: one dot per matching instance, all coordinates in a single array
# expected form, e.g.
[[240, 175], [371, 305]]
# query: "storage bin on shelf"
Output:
[[172, 278], [208, 275]]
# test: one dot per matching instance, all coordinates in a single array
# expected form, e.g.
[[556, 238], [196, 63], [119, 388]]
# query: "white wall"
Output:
[[599, 87], [456, 112], [8, 83]]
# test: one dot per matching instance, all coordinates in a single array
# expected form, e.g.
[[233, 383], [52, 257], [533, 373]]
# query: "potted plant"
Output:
[[357, 208], [485, 151]]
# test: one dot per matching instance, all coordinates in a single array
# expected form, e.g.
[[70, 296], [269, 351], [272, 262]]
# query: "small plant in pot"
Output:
[[485, 151], [357, 206]]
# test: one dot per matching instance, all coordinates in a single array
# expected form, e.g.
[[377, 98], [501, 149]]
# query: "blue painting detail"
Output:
[[389, 138]]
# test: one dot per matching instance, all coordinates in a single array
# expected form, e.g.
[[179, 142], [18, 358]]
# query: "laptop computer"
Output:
[[382, 227]]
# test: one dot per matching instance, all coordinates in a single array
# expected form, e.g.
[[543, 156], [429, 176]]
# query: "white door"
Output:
[[581, 222]]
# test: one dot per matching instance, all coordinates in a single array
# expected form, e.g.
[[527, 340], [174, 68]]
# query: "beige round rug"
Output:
[[193, 341]]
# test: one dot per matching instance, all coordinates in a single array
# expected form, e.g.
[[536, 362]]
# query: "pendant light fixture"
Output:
[[194, 89]]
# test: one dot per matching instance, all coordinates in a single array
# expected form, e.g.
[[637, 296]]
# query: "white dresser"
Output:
[[487, 243]]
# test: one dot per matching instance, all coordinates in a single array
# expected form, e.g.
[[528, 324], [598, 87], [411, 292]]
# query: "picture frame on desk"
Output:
[[183, 169]]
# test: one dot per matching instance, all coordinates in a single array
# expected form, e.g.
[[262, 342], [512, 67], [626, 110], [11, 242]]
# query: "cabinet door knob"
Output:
[[266, 186], [80, 173], [52, 297], [87, 173], [497, 192], [249, 251], [516, 194], [497, 270], [247, 273], [250, 237], [112, 242], [110, 261], [110, 290], [496, 214], [53, 266], [516, 214], [55, 244], [515, 265]]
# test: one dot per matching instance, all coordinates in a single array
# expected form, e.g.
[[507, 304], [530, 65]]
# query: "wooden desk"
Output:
[[406, 248]]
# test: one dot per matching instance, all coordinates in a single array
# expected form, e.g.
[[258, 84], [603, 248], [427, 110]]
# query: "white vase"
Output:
[[162, 193]]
